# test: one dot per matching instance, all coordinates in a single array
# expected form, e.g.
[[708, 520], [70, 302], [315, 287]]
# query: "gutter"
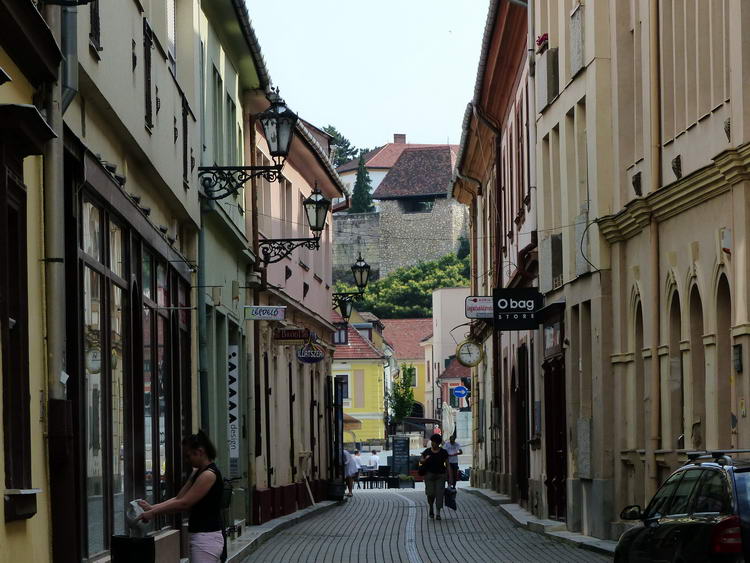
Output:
[[322, 157], [252, 42]]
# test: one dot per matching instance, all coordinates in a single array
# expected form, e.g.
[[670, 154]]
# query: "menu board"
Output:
[[401, 456]]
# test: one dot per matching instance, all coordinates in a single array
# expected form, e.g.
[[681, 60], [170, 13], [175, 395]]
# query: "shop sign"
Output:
[[233, 428], [516, 308], [265, 313], [291, 335], [310, 353], [552, 339], [478, 307]]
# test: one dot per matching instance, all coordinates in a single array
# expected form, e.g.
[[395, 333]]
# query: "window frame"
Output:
[[14, 341]]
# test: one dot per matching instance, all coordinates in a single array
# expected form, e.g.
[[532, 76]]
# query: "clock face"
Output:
[[469, 353]]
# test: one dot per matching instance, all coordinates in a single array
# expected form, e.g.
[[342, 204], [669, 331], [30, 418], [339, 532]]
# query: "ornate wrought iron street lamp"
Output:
[[316, 209], [278, 123], [343, 301]]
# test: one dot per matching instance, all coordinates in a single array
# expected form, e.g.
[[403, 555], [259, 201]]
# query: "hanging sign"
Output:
[[291, 335], [265, 313], [310, 353], [478, 307], [516, 308], [233, 423]]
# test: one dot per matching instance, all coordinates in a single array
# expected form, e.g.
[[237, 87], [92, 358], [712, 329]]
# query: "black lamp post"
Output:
[[278, 123], [316, 210], [361, 272], [343, 301]]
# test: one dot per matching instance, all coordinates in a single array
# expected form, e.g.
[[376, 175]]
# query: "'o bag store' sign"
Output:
[[516, 308]]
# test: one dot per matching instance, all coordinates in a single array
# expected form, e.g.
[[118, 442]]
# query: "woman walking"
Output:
[[201, 495], [433, 465]]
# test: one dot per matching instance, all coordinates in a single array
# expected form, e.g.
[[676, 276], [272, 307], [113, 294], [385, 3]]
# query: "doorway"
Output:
[[556, 447]]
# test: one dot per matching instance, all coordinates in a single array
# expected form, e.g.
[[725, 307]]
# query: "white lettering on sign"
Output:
[[512, 304], [233, 424], [265, 313]]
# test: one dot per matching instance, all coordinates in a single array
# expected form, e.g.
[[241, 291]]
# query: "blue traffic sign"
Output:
[[460, 391]]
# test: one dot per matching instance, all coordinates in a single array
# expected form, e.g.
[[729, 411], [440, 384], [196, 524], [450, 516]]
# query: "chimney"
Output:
[[399, 138]]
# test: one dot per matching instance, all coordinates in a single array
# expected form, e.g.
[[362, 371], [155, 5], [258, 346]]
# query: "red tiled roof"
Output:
[[358, 348], [405, 336], [383, 157], [455, 371], [419, 171]]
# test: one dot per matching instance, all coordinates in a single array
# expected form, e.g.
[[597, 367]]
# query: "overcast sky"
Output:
[[374, 68]]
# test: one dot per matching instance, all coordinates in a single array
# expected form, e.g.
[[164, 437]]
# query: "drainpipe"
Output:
[[54, 229], [70, 55], [655, 133], [202, 327]]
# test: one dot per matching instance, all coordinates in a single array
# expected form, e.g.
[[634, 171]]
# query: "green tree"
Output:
[[343, 150], [400, 399], [361, 196], [407, 292]]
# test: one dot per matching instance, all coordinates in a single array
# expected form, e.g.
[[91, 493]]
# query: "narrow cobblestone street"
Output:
[[392, 526]]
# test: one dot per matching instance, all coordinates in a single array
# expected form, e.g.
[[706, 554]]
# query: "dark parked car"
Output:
[[700, 514]]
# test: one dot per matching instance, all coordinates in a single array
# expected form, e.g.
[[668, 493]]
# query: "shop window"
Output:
[[135, 399]]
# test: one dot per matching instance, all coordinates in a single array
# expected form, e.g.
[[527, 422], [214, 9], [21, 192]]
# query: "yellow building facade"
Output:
[[27, 64], [359, 363]]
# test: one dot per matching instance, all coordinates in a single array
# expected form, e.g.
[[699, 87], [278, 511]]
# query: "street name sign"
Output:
[[265, 313], [478, 307]]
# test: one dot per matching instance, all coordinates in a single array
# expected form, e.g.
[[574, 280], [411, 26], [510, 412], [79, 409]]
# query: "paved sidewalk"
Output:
[[392, 525]]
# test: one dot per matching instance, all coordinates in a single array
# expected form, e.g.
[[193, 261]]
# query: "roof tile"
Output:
[[404, 335], [419, 171]]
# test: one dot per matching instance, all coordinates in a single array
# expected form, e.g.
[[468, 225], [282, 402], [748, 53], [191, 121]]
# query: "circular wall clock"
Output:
[[469, 353]]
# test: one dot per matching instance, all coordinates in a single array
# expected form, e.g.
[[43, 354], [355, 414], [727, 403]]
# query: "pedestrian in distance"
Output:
[[358, 461], [433, 465], [350, 470], [454, 450], [202, 496], [374, 460]]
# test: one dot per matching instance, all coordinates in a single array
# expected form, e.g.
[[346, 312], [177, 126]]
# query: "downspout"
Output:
[[54, 229], [655, 133], [70, 55], [202, 326]]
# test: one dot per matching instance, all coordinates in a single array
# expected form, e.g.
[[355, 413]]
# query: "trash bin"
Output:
[[133, 550]]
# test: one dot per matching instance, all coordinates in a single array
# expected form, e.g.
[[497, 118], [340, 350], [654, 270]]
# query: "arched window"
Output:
[[697, 371], [724, 366], [676, 436], [640, 436]]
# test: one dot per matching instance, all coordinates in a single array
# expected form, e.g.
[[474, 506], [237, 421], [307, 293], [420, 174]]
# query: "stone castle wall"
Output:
[[354, 233], [409, 238]]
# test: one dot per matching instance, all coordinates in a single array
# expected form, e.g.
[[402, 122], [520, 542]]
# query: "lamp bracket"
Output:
[[339, 298], [219, 182], [274, 250]]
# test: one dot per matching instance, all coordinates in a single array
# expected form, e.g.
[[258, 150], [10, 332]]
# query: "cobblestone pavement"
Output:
[[389, 526]]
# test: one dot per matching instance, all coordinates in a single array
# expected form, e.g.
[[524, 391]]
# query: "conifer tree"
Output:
[[361, 197]]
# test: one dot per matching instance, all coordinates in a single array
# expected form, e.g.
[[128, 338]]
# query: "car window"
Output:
[[712, 495], [663, 496], [681, 498]]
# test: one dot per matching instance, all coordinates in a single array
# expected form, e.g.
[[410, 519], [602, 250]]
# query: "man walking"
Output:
[[454, 450]]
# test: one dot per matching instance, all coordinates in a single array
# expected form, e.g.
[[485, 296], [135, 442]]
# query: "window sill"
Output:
[[318, 278], [20, 504], [304, 266]]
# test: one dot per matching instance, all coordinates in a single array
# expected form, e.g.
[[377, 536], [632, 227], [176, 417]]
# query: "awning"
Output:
[[351, 423]]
